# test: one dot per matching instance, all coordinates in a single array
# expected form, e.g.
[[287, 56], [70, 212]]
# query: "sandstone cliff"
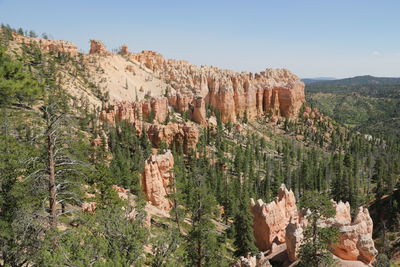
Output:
[[47, 45], [186, 87], [234, 95], [144, 85], [185, 134]]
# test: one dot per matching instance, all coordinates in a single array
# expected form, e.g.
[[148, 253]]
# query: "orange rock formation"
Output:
[[185, 134], [47, 45], [279, 222], [156, 179], [234, 95], [97, 47], [270, 219]]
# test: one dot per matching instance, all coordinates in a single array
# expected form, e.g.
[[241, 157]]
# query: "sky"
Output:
[[312, 38]]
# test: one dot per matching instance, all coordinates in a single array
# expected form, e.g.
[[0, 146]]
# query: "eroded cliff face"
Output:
[[355, 237], [136, 112], [279, 221], [188, 87], [185, 134], [156, 178], [143, 85], [47, 45], [234, 95]]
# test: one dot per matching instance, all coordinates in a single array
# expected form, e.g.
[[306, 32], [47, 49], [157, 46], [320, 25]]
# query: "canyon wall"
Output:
[[274, 91], [177, 86]]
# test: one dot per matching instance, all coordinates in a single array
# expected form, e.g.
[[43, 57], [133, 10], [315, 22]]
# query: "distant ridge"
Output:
[[357, 80], [317, 79]]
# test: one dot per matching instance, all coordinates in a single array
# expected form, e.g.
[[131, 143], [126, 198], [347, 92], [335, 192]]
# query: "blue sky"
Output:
[[313, 38]]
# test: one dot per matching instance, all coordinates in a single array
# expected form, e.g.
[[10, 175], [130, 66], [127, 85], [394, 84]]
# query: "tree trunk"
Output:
[[52, 181], [199, 254]]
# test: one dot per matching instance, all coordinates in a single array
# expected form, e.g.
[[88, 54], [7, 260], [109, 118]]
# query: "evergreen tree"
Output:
[[243, 224], [202, 248], [315, 249]]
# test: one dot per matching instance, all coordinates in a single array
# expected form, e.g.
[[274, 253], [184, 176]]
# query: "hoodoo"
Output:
[[156, 179], [280, 222]]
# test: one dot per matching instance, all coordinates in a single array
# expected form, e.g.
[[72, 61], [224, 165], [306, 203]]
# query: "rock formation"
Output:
[[355, 239], [234, 95], [47, 45], [252, 261], [136, 112], [97, 47], [270, 219], [293, 238], [88, 206], [279, 221], [185, 134], [156, 178], [275, 92], [124, 50]]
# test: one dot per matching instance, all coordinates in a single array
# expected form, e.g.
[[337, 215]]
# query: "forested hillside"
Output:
[[368, 104], [71, 179]]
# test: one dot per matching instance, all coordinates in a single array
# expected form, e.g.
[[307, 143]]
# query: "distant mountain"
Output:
[[357, 80], [386, 87], [367, 103], [318, 79]]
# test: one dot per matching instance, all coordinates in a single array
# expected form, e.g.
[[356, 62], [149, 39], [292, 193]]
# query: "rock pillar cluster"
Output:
[[156, 178], [280, 222]]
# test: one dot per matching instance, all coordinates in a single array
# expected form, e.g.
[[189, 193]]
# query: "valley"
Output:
[[131, 159]]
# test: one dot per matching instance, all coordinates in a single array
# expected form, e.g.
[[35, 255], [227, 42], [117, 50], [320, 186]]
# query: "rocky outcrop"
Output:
[[355, 237], [156, 178], [137, 112], [279, 222], [235, 95], [88, 207], [293, 237], [124, 50], [270, 219], [184, 134], [97, 47], [47, 45], [252, 261]]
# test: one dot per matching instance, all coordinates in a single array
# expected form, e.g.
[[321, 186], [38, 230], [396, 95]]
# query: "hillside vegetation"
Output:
[[368, 104], [51, 166]]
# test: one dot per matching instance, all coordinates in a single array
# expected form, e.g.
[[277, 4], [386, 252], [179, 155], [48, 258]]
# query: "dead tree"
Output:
[[57, 162]]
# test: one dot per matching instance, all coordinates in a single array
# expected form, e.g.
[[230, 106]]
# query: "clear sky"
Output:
[[313, 38]]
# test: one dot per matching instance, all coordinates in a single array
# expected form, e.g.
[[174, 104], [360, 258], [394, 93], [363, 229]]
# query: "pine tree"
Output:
[[315, 248], [243, 224], [202, 248]]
